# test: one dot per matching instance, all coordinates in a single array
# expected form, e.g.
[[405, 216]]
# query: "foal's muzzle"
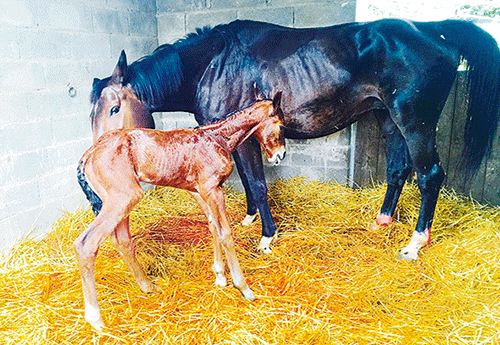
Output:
[[277, 157]]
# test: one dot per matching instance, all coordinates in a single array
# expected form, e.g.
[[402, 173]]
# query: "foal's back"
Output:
[[177, 158]]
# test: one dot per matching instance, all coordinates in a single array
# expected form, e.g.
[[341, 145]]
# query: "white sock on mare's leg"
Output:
[[418, 240], [249, 219], [265, 245]]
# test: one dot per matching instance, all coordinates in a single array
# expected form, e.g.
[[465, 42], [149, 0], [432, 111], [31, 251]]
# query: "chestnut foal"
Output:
[[195, 159]]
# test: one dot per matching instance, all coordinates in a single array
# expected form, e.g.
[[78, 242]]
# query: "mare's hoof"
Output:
[[381, 220], [249, 219], [407, 255], [265, 245]]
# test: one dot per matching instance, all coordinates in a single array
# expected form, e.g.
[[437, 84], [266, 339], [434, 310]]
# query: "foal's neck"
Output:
[[237, 128]]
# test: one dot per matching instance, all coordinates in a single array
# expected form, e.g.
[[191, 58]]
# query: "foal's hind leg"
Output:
[[215, 201], [122, 241], [87, 245], [218, 267], [398, 166]]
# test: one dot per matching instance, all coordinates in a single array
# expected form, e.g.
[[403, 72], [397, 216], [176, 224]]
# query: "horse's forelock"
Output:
[[97, 87]]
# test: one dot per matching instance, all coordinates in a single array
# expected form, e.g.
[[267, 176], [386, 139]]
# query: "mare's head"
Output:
[[269, 132], [115, 105]]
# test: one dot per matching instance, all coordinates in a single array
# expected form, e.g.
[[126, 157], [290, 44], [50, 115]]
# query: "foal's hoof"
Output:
[[249, 219], [149, 287], [265, 245], [220, 280], [248, 294]]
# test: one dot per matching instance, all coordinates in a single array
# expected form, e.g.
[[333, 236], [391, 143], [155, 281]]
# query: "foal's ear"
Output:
[[277, 100], [120, 71]]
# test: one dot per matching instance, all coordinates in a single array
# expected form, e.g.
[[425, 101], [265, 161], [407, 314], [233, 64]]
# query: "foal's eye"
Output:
[[114, 110]]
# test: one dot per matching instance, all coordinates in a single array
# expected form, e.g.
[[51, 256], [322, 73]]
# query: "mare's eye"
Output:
[[114, 110]]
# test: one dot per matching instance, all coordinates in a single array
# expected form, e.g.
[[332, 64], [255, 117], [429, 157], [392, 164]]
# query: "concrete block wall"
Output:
[[324, 158], [51, 51]]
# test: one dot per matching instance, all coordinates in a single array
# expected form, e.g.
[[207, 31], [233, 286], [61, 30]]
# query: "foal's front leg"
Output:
[[215, 201], [218, 267]]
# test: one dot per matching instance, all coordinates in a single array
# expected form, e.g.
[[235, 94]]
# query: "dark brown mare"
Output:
[[400, 71], [198, 160]]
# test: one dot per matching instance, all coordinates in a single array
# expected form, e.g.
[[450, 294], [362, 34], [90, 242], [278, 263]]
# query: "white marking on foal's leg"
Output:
[[418, 240], [93, 317], [220, 278], [264, 245], [249, 218]]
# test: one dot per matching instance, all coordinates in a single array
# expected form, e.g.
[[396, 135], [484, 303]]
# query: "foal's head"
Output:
[[269, 133]]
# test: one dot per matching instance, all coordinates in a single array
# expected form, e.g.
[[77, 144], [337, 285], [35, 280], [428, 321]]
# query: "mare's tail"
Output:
[[94, 199], [483, 59]]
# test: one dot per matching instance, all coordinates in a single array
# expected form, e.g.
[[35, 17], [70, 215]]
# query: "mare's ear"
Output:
[[257, 94], [120, 71], [96, 82], [277, 100]]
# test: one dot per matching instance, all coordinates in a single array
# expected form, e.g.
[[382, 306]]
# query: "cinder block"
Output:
[[35, 135], [212, 18], [134, 47], [224, 4], [180, 5], [21, 76], [171, 25], [280, 16], [64, 15], [143, 24], [25, 13], [9, 41], [91, 46], [111, 21], [14, 109], [21, 196], [325, 15]]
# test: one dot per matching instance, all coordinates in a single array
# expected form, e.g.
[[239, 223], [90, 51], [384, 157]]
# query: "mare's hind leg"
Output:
[[398, 166], [214, 198], [248, 161], [218, 267], [122, 241], [421, 142]]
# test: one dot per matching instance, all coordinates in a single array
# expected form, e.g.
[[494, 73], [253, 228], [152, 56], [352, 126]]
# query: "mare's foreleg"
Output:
[[218, 267], [248, 161], [122, 241], [398, 167], [215, 201]]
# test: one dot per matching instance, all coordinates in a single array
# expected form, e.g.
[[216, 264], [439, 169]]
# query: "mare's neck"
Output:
[[172, 72]]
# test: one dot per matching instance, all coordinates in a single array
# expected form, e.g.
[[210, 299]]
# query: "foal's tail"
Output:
[[483, 59], [94, 199]]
